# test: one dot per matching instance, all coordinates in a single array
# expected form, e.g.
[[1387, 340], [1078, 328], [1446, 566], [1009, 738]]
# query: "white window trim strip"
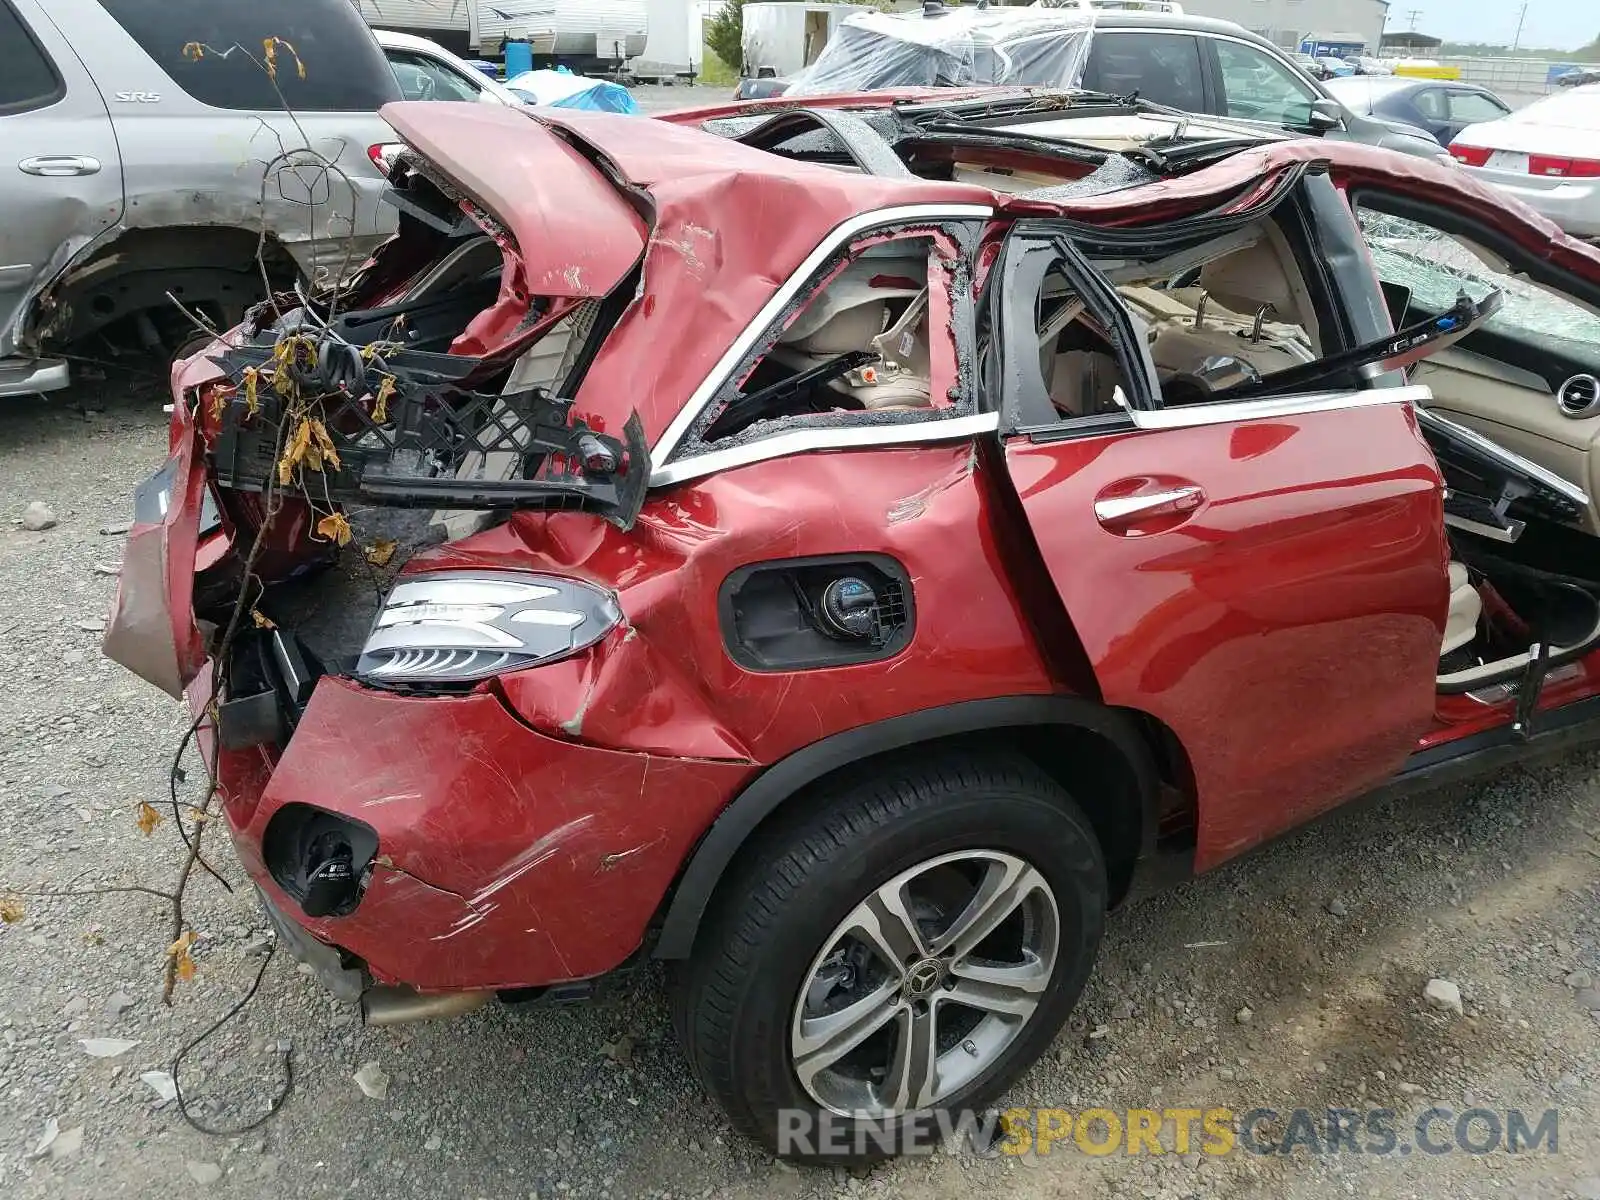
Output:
[[1188, 415], [842, 437]]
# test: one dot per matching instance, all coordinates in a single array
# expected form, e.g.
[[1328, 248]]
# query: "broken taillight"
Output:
[[1472, 156], [383, 155]]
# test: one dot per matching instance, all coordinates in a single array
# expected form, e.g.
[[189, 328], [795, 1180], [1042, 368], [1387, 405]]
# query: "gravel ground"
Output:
[[654, 99], [1293, 979], [1327, 938]]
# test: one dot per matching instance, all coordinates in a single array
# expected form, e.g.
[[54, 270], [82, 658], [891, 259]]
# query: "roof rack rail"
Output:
[[1160, 6]]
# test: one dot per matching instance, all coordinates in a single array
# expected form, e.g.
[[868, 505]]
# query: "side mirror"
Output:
[[1326, 114]]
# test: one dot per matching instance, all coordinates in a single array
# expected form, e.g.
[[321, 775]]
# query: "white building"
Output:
[[1286, 22]]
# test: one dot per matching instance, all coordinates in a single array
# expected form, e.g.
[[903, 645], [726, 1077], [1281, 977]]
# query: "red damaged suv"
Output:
[[844, 550]]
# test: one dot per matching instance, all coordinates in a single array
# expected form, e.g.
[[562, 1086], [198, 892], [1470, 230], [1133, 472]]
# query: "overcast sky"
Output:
[[1566, 24]]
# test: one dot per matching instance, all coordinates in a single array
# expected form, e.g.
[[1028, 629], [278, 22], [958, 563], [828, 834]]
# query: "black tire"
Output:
[[734, 999]]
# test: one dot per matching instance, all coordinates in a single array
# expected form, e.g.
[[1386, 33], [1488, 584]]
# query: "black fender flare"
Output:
[[784, 779]]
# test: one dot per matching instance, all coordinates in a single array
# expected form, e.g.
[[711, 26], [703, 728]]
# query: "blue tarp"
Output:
[[562, 89]]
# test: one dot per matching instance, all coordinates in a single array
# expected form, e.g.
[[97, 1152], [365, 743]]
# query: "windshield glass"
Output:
[[1437, 267], [873, 51]]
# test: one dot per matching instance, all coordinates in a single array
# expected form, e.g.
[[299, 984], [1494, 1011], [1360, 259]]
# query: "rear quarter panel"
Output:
[[668, 685]]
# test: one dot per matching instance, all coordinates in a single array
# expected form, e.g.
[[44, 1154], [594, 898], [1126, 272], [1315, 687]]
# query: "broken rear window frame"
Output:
[[956, 231]]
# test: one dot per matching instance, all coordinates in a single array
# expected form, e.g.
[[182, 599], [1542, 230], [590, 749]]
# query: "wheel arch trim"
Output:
[[769, 791]]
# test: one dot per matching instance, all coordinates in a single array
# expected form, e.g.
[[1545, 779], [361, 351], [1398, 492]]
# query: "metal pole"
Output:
[[1521, 17]]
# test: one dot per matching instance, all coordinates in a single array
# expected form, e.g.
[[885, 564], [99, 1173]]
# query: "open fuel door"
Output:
[[1265, 574]]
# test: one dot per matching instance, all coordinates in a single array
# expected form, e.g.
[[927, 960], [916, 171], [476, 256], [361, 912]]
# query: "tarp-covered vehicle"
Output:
[[843, 551], [1193, 64]]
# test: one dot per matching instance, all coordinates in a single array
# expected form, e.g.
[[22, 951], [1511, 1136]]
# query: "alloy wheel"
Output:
[[925, 984]]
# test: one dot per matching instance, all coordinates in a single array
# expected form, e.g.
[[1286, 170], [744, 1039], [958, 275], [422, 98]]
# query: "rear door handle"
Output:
[[1118, 512], [57, 165]]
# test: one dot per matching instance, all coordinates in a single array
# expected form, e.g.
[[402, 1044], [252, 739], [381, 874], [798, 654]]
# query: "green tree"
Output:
[[725, 33]]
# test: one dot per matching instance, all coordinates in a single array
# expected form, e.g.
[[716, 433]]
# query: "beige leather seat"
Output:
[[854, 313], [1083, 382], [1461, 625]]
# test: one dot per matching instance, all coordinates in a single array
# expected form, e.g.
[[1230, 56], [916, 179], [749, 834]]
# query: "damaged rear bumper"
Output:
[[499, 858]]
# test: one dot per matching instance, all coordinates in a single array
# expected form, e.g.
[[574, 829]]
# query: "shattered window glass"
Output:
[[1438, 266]]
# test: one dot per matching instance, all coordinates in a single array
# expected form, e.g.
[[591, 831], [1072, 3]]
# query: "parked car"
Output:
[[1441, 107], [425, 70], [1362, 65], [1578, 77], [1547, 155], [1151, 552], [144, 170], [1335, 68], [1310, 66], [1191, 63]]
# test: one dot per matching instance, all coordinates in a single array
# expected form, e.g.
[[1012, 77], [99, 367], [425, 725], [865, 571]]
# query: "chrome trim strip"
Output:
[[1512, 531], [1227, 412], [1506, 457], [837, 237], [802, 441]]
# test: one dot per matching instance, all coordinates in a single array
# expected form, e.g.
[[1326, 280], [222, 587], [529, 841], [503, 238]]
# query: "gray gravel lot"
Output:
[[1292, 979], [1327, 938]]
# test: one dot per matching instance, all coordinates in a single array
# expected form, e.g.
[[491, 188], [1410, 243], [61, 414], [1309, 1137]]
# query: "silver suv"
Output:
[[154, 146]]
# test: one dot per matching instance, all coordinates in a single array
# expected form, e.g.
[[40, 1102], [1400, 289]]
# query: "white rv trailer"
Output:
[[676, 45], [585, 33], [782, 39]]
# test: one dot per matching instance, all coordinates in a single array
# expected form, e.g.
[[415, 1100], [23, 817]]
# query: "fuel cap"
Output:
[[850, 608]]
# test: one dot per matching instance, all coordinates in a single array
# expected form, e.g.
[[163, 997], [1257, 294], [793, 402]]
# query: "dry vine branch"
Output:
[[302, 444]]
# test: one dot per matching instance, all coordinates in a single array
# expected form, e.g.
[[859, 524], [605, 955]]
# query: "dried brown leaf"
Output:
[[178, 952], [380, 402], [147, 818], [194, 51], [252, 380], [269, 47], [381, 551], [294, 454], [334, 528], [11, 910], [219, 402], [262, 621], [324, 444]]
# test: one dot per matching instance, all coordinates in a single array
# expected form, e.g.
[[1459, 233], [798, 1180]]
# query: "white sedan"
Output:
[[427, 71], [1547, 155]]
